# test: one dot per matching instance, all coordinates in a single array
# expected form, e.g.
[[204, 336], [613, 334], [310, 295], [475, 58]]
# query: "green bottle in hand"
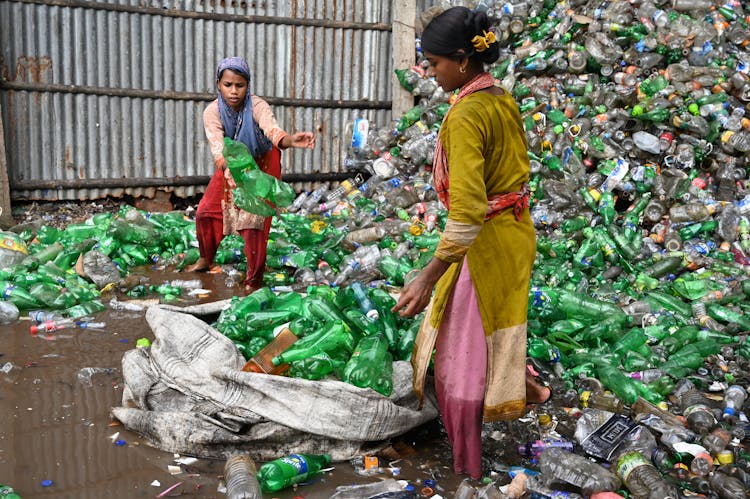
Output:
[[287, 471]]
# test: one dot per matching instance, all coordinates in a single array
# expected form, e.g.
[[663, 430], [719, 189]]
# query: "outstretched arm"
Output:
[[304, 140]]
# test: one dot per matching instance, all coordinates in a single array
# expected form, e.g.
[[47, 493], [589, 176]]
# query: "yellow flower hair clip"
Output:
[[482, 43]]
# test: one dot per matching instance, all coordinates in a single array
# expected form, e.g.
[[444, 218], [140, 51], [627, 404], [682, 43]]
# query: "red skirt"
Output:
[[209, 222]]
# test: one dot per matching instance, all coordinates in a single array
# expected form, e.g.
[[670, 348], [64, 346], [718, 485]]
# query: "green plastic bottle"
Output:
[[287, 471], [334, 337], [406, 340], [7, 492], [606, 207], [371, 365], [319, 365], [573, 224], [619, 384], [580, 306], [724, 314], [84, 309], [20, 297]]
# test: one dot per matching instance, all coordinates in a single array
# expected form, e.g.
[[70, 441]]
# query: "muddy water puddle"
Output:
[[58, 439]]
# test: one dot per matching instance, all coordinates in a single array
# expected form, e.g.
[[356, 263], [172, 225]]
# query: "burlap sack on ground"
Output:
[[187, 394]]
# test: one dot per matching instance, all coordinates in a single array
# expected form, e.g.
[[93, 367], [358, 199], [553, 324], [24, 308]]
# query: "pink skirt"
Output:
[[461, 375]]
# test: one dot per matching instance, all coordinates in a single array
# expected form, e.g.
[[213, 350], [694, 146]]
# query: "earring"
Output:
[[462, 69]]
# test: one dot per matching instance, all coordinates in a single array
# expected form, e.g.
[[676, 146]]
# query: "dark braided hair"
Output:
[[449, 34]]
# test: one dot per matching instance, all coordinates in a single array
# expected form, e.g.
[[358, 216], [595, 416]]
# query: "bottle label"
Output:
[[603, 441], [628, 463], [359, 134], [297, 462]]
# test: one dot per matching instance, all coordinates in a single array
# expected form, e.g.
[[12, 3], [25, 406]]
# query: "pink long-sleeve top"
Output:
[[261, 113]]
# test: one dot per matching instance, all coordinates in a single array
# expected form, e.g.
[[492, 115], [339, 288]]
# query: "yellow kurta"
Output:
[[486, 149]]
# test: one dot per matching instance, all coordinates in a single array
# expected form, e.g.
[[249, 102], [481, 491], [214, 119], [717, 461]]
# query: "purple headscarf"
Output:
[[240, 125]]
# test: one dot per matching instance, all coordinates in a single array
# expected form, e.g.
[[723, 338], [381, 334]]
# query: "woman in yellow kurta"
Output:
[[482, 266]]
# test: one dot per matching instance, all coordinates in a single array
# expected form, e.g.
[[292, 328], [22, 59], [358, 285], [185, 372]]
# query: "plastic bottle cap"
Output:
[[725, 457]]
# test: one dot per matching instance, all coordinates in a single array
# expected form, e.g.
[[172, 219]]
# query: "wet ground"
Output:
[[58, 439]]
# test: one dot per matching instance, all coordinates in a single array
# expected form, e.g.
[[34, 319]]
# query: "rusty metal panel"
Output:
[[115, 89]]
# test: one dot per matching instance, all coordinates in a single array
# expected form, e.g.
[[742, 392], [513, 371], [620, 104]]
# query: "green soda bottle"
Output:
[[660, 300], [7, 492], [321, 308], [249, 348], [539, 348], [383, 303], [663, 267], [264, 319], [286, 471], [240, 307], [44, 255], [606, 207], [619, 384], [20, 297], [633, 341], [84, 309], [580, 306], [319, 365], [333, 338], [573, 224], [371, 365], [406, 340], [409, 118], [360, 323], [251, 203], [727, 315]]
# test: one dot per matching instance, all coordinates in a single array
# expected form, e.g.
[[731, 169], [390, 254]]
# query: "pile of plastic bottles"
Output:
[[347, 332], [65, 270], [635, 119]]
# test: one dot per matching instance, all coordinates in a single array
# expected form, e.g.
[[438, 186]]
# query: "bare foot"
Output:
[[536, 393], [198, 266]]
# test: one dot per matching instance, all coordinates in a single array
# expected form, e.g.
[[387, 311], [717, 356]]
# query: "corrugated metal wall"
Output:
[[106, 97]]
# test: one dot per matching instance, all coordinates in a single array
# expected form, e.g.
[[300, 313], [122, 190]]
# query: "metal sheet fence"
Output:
[[106, 97]]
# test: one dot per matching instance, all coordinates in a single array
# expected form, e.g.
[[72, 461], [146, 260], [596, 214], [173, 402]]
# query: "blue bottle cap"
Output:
[[429, 482], [46, 483]]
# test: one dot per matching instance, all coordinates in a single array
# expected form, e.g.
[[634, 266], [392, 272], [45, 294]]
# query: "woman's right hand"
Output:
[[417, 294], [414, 297]]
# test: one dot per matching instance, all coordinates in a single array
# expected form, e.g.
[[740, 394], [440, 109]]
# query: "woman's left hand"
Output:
[[304, 140]]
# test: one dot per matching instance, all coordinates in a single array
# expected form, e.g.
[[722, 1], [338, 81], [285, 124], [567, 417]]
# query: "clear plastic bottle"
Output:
[[577, 470], [695, 408], [642, 478], [734, 397], [729, 221], [240, 479], [8, 312], [646, 141], [728, 487], [690, 212], [537, 489], [366, 489]]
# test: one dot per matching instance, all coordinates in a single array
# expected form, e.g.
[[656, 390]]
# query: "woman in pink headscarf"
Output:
[[244, 117]]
